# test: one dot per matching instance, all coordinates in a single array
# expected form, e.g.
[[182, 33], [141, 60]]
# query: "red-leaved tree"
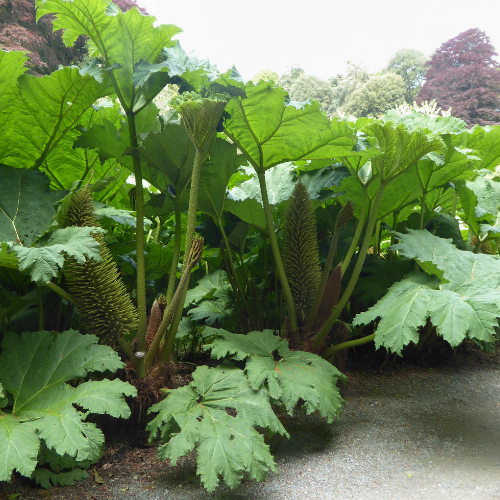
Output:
[[20, 31], [463, 74]]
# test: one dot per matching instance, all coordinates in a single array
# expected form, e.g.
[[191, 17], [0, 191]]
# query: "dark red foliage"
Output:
[[128, 4], [46, 51], [463, 74]]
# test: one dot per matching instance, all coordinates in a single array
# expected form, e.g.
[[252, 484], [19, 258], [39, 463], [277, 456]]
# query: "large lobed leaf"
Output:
[[459, 295], [26, 204], [269, 131], [196, 416], [34, 368], [44, 261], [122, 39], [288, 375], [35, 130]]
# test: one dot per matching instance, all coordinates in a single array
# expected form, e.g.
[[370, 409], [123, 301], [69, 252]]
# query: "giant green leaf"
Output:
[[460, 297], [462, 270], [109, 140], [269, 131], [36, 130], [403, 310], [169, 155], [433, 123], [400, 148], [121, 39], [26, 204], [248, 210], [222, 163], [486, 144], [209, 283], [34, 368], [195, 416], [280, 181], [288, 375], [44, 261], [486, 195], [11, 68]]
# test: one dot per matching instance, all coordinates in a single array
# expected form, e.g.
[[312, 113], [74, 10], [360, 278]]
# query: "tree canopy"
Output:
[[313, 88], [344, 85], [286, 81], [463, 75], [267, 75], [379, 94], [410, 65]]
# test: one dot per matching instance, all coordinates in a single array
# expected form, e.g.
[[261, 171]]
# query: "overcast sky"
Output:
[[319, 36]]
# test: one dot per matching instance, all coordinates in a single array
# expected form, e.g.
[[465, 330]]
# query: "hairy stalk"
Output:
[[454, 208], [193, 203], [422, 211], [177, 250], [328, 353], [376, 239], [280, 270], [343, 218], [63, 293], [359, 230], [357, 269], [141, 266], [175, 305]]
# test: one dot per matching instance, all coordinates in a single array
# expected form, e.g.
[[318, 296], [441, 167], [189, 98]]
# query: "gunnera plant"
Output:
[[300, 251], [103, 301]]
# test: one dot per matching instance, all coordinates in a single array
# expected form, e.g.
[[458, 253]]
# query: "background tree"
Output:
[[314, 88], [344, 85], [410, 65], [287, 80], [20, 31], [267, 75], [379, 94], [463, 74]]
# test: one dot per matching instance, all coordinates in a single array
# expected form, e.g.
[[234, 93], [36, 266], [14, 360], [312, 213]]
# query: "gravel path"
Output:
[[430, 434]]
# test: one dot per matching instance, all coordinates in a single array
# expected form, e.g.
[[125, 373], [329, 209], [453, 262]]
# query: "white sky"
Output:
[[318, 35]]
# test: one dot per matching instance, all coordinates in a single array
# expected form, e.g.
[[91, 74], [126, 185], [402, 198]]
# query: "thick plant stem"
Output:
[[190, 230], [345, 345], [292, 315], [454, 208], [176, 304], [422, 211], [125, 347], [359, 230], [356, 272], [193, 204], [167, 318], [177, 250], [376, 239], [139, 234], [324, 278], [63, 293]]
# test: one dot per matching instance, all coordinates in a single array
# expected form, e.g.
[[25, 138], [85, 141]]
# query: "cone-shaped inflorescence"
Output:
[[300, 250], [103, 301]]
